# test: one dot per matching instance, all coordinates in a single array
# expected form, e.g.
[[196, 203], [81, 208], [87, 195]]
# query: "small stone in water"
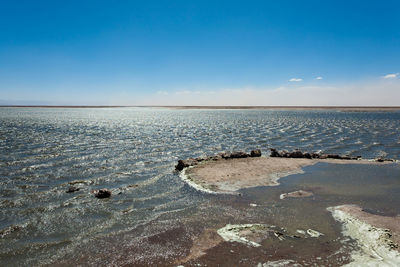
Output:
[[102, 193]]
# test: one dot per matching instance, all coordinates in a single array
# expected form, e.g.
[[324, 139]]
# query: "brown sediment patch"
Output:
[[234, 174], [230, 175], [296, 194], [383, 222], [208, 239]]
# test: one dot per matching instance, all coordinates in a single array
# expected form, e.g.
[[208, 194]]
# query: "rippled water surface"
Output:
[[133, 151]]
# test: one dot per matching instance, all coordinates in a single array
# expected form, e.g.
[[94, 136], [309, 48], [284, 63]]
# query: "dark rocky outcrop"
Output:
[[307, 155], [102, 193], [274, 153], [239, 155], [72, 189], [223, 155], [383, 160]]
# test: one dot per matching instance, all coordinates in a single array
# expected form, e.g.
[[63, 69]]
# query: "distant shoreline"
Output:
[[341, 108]]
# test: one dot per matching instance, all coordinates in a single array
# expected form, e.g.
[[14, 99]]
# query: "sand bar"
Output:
[[230, 175]]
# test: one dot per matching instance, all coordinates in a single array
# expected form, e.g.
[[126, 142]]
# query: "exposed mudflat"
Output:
[[230, 175], [391, 223], [376, 235]]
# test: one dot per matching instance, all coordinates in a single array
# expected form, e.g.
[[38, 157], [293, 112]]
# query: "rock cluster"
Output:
[[307, 155], [383, 160], [223, 155]]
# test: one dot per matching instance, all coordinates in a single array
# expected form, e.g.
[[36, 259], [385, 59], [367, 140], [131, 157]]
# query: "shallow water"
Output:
[[153, 215]]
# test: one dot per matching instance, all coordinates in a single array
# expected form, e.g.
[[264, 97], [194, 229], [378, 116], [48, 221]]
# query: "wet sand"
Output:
[[228, 176]]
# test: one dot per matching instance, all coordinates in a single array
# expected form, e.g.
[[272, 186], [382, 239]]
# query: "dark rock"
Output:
[[72, 189], [383, 160], [180, 165], [315, 155], [347, 157], [274, 153], [333, 156], [200, 159], [185, 163], [102, 193], [296, 154], [226, 155], [216, 157], [237, 155], [255, 153], [285, 154]]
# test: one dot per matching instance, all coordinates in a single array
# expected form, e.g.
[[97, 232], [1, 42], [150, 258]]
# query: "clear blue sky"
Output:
[[65, 51]]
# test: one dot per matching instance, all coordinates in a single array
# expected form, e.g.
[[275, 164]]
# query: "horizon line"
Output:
[[206, 107]]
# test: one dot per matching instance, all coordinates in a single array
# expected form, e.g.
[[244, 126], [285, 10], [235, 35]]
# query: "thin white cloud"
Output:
[[390, 76], [184, 92], [162, 92], [378, 93], [319, 78], [296, 80]]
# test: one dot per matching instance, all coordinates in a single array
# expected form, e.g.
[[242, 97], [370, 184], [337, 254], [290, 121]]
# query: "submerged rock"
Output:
[[301, 231], [102, 193], [279, 263], [9, 230], [314, 233], [251, 234], [296, 194], [72, 189], [240, 233]]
